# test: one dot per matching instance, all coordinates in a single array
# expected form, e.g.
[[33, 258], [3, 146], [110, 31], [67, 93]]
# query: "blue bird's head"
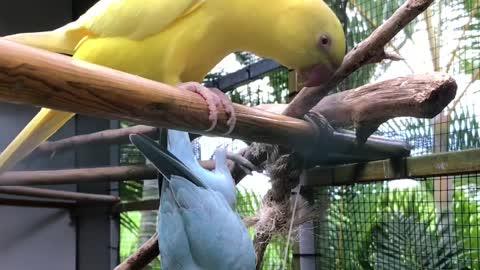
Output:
[[180, 161]]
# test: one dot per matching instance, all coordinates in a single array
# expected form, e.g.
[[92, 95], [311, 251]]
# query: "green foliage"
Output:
[[464, 129], [467, 219], [409, 243], [129, 228], [373, 226]]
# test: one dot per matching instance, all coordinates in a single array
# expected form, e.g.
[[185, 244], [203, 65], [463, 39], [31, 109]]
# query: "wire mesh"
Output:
[[402, 224], [426, 223]]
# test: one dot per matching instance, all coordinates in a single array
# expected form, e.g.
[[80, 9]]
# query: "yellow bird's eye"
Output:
[[325, 42]]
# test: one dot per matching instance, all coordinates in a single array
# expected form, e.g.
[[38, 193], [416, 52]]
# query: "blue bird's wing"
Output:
[[217, 237], [173, 240]]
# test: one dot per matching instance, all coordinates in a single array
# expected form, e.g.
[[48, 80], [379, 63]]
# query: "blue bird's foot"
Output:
[[245, 164]]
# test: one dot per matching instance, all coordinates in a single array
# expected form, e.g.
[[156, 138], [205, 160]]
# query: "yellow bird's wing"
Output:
[[134, 19], [131, 19]]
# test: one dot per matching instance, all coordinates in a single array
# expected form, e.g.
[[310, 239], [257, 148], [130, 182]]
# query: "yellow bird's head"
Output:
[[310, 39]]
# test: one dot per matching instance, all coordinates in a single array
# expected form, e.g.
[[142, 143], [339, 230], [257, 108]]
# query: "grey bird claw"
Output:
[[244, 163]]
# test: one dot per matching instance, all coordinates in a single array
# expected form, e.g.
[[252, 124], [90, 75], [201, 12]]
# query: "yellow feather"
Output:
[[42, 126]]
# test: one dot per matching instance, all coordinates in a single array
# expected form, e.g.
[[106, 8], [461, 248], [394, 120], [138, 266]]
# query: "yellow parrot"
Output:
[[178, 41]]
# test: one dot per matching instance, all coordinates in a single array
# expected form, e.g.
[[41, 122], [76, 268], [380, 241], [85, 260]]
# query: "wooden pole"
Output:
[[36, 203], [40, 78], [111, 136], [76, 176], [86, 175], [83, 198]]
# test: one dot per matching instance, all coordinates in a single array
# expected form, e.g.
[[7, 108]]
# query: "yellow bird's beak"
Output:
[[317, 75]]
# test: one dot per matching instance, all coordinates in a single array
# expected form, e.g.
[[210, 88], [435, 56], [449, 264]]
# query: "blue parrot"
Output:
[[198, 227]]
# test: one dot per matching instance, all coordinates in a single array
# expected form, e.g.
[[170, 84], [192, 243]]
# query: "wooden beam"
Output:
[[36, 203], [40, 78], [441, 164], [83, 198]]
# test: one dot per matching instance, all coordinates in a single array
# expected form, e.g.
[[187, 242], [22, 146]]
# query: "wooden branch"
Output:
[[142, 257], [77, 176], [86, 175], [369, 106], [111, 136], [40, 78], [36, 203], [83, 198], [368, 51]]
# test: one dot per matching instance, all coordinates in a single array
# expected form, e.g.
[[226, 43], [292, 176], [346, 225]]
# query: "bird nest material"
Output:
[[276, 213]]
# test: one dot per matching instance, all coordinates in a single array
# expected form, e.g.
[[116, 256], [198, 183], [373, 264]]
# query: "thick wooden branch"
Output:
[[40, 78], [371, 50], [369, 106], [86, 175], [83, 198]]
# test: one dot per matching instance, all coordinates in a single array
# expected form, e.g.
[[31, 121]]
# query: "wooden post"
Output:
[[443, 185], [305, 256]]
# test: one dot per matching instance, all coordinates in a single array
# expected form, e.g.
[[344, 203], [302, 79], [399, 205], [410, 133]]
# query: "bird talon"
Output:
[[244, 163], [216, 100]]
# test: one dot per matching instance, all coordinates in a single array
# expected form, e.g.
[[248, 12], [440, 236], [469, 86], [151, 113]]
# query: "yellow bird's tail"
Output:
[[62, 40], [40, 128]]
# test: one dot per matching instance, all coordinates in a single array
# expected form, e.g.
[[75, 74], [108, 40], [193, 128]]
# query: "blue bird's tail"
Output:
[[166, 163]]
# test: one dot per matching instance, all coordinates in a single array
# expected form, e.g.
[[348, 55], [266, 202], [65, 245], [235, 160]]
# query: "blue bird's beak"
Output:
[[166, 163]]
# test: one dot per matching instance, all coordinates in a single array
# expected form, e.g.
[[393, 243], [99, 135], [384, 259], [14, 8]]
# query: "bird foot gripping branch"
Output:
[[216, 100]]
